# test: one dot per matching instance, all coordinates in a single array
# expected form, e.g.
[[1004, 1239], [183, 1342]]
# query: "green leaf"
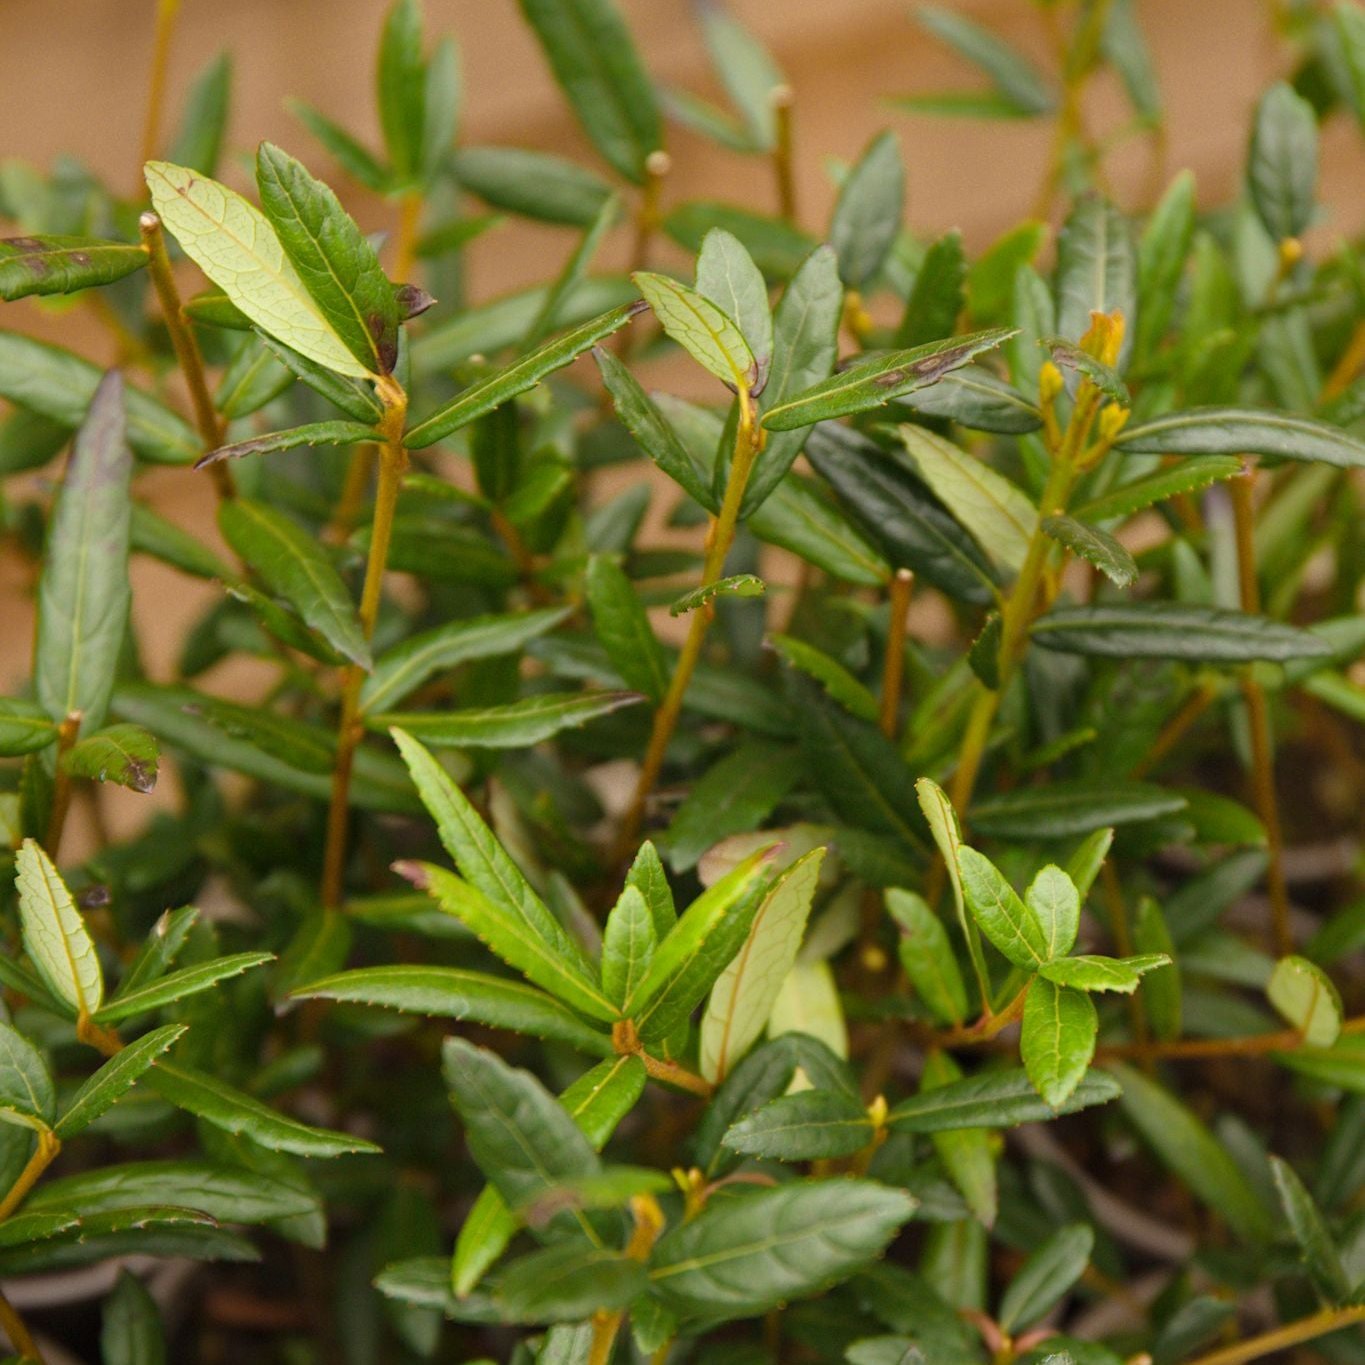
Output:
[[222, 1106], [1045, 1277], [355, 397], [628, 943], [1161, 994], [83, 596], [487, 867], [927, 956], [1163, 250], [728, 277], [532, 943], [1069, 356], [869, 210], [515, 725], [335, 261], [651, 430], [27, 1098], [532, 184], [62, 265], [973, 397], [648, 876], [593, 59], [356, 160], [125, 754], [777, 247], [1230, 431], [1305, 996], [993, 509], [131, 1333], [567, 1281], [61, 386], [1011, 925], [295, 567], [55, 936], [1190, 476], [400, 87], [1282, 166], [25, 728], [516, 378], [1174, 630], [805, 346], [149, 1230], [946, 832], [691, 957], [114, 1079], [837, 681], [312, 434], [937, 296], [454, 993], [1186, 1146], [1101, 549], [1096, 270], [895, 509], [204, 117], [996, 1099], [741, 1256], [1067, 809], [797, 517], [622, 626], [870, 383], [808, 1003], [746, 70], [1320, 1254], [1055, 901], [812, 1125], [573, 272], [1057, 1040], [1017, 81], [967, 1154], [1090, 973], [743, 997], [189, 981], [736, 585], [233, 243], [254, 377], [520, 1136], [709, 336]]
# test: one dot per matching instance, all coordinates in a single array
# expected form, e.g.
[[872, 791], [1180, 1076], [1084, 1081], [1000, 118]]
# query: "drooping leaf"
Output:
[[593, 59], [332, 256], [870, 383], [55, 936], [83, 596], [293, 565], [62, 265], [1108, 555], [523, 374], [1057, 1040], [742, 1256], [233, 243]]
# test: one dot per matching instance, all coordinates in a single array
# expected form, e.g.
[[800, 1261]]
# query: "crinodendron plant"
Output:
[[600, 917]]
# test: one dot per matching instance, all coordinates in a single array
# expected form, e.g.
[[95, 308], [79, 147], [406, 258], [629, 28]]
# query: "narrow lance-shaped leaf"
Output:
[[83, 596], [623, 627], [868, 213], [114, 1079], [233, 243], [628, 943], [293, 565], [1018, 81], [1282, 166], [62, 265], [532, 184], [967, 1154], [1231, 431], [727, 275], [55, 936], [189, 981], [517, 378], [877, 380], [204, 118], [334, 259], [999, 1099], [515, 725], [25, 727], [1046, 1276], [311, 434], [1320, 1254], [742, 998], [1096, 270], [591, 54], [400, 87]]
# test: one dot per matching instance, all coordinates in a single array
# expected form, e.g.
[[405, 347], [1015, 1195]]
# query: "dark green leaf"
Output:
[[1096, 270], [1108, 555], [114, 1079], [532, 184], [515, 725], [567, 1281], [1015, 78], [188, 981], [1173, 630], [1315, 1242], [1282, 166], [125, 754], [400, 87], [999, 1099], [808, 1126], [1066, 809], [869, 210], [62, 265], [204, 117], [975, 398], [928, 958], [25, 727], [131, 1333], [622, 626], [1046, 1276], [1230, 431], [938, 295]]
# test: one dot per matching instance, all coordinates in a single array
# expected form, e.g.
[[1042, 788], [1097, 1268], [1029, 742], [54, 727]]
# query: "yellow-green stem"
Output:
[[405, 248], [49, 1144], [17, 1331], [167, 11], [187, 353], [719, 538], [1282, 1338], [67, 732], [1258, 719], [393, 461], [893, 667]]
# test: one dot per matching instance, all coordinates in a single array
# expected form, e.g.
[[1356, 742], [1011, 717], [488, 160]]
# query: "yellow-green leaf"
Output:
[[54, 933], [713, 340]]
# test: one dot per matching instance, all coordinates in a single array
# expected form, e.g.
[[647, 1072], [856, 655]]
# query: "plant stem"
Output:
[[719, 538], [167, 11], [61, 784], [186, 348], [393, 461], [647, 214], [781, 99], [1196, 1049], [1295, 1333], [17, 1332], [1258, 719], [1351, 362], [893, 666], [673, 1074], [1174, 730], [649, 1223], [405, 248], [49, 1144]]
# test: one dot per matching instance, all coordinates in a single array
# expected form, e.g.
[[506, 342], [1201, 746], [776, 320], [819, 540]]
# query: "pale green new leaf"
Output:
[[1090, 973], [1304, 994], [1055, 901], [708, 335], [628, 944], [55, 936]]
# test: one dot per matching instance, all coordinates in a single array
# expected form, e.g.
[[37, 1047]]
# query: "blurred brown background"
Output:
[[73, 74]]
